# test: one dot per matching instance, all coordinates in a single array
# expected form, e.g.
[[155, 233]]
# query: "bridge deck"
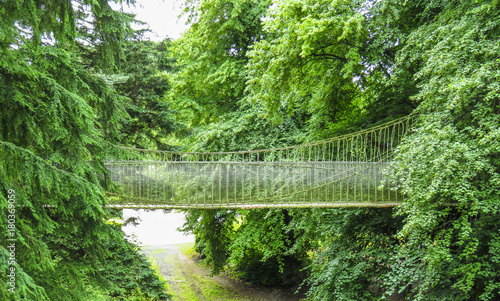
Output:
[[157, 184]]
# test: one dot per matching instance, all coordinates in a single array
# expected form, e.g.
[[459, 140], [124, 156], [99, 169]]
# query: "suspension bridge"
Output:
[[344, 171]]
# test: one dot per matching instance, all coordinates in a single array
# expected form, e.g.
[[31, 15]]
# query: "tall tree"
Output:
[[309, 59], [212, 56], [210, 90], [55, 121], [451, 252], [143, 81], [333, 60]]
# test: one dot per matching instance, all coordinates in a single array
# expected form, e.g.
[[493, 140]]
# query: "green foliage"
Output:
[[212, 56], [453, 157], [309, 58], [260, 249], [245, 129], [357, 246], [55, 121], [130, 274], [144, 81], [331, 60], [214, 231], [254, 243]]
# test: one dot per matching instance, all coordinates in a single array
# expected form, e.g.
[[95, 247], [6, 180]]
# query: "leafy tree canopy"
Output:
[[212, 56], [335, 66]]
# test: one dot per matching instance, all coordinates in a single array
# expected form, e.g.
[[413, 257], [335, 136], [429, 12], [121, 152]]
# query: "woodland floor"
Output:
[[188, 281]]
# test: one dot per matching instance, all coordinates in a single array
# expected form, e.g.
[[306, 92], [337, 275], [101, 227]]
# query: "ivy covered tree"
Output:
[[56, 123], [453, 157], [353, 248]]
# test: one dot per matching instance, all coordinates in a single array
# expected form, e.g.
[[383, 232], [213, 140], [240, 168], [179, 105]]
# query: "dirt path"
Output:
[[188, 281]]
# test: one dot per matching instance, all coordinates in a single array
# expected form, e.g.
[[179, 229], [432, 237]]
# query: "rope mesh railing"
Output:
[[343, 171]]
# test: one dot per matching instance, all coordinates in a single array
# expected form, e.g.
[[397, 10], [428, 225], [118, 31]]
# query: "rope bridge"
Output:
[[349, 170]]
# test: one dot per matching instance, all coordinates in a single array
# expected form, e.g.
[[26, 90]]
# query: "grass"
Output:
[[188, 282], [158, 251]]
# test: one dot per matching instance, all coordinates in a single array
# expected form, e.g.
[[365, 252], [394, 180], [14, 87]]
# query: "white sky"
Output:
[[162, 17], [157, 227]]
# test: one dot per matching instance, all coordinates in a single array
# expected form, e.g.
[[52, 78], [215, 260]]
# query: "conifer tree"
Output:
[[56, 125]]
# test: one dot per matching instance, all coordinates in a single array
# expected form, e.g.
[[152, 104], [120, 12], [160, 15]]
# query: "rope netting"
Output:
[[349, 170]]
